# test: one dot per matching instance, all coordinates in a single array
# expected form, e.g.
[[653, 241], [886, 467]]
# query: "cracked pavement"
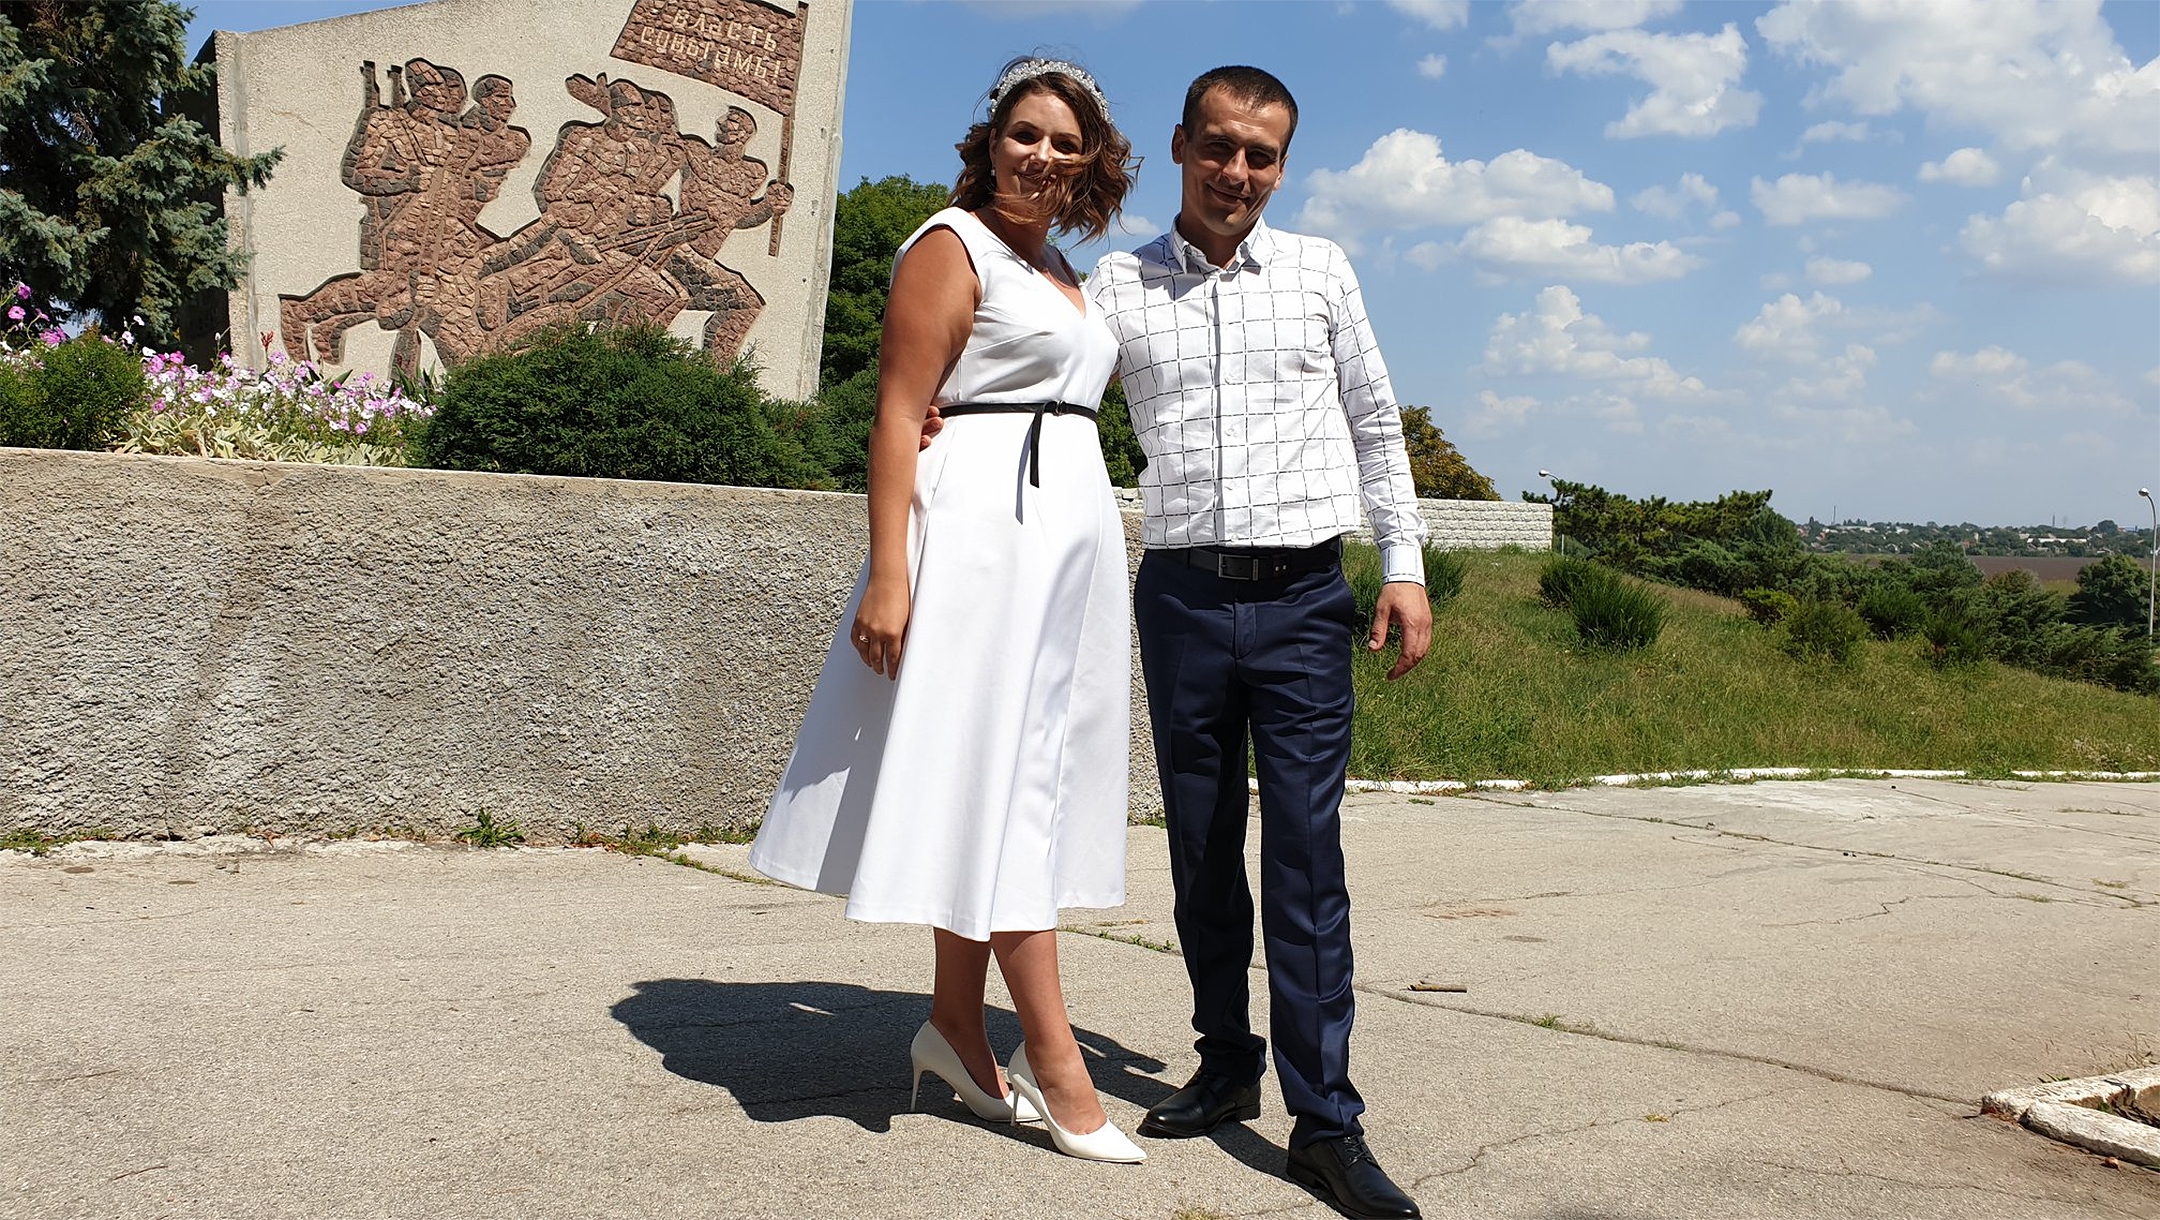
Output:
[[1766, 1000]]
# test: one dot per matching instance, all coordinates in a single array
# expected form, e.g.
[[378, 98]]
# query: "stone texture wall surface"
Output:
[[189, 645], [1487, 525]]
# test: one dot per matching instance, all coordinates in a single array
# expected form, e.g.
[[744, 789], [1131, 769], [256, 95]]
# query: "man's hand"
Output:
[[1402, 603], [932, 424]]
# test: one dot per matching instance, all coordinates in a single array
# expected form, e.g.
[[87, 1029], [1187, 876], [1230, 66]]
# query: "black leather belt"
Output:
[[1258, 563], [1036, 409]]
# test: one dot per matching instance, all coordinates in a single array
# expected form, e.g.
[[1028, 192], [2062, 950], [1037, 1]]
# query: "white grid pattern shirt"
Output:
[[1258, 394]]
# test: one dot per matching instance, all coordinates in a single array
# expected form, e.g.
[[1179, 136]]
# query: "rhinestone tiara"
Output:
[[1029, 69]]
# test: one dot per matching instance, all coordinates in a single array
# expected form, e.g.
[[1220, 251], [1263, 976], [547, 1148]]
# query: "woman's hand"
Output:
[[880, 628]]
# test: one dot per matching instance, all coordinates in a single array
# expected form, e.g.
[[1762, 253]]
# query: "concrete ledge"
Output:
[[190, 645], [2070, 1111]]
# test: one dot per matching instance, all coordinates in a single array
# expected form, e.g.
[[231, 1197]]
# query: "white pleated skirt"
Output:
[[986, 787]]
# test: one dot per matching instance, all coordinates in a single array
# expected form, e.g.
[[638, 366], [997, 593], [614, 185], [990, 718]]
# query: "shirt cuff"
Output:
[[1402, 561]]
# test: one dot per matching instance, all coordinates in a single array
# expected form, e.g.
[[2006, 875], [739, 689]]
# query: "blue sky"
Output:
[[1892, 260]]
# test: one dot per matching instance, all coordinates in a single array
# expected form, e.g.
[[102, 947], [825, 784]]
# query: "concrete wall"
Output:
[[190, 645]]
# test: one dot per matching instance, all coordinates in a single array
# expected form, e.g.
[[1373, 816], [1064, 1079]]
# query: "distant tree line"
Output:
[[1905, 538], [1738, 546]]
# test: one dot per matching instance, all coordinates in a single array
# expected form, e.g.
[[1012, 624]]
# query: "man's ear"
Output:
[[1177, 144]]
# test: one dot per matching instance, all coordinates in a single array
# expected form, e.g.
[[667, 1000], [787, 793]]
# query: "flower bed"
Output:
[[291, 411]]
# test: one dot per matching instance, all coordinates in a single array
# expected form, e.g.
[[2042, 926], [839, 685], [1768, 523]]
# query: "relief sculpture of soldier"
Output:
[[425, 167], [609, 245], [606, 222], [724, 189]]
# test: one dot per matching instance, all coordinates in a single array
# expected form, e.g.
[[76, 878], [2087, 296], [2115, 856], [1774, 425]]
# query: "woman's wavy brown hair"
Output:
[[1086, 202]]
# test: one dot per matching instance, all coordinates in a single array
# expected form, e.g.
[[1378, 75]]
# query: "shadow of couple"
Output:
[[790, 1050]]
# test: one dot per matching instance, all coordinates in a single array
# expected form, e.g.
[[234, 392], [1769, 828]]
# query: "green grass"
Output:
[[1509, 691]]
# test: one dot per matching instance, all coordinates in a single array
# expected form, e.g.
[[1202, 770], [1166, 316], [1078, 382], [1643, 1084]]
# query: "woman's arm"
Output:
[[928, 317]]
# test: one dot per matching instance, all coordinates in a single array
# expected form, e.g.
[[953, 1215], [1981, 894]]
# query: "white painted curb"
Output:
[[1439, 787]]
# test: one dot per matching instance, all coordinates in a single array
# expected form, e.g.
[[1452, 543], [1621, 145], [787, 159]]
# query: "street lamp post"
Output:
[[2152, 570], [1547, 475]]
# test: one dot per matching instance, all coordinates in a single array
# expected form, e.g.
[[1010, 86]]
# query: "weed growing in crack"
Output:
[[487, 832]]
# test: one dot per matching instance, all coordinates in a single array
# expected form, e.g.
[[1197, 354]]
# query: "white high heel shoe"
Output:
[[932, 1053], [1104, 1143]]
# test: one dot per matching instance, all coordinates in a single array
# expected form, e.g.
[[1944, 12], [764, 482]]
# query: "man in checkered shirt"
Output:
[[1258, 394]]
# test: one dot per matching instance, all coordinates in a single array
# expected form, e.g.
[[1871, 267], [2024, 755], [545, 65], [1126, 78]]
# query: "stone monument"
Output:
[[461, 174]]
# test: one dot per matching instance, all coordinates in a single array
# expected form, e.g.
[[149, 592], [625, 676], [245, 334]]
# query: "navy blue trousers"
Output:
[[1223, 659]]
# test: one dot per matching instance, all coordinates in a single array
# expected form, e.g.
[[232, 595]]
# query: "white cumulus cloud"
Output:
[[1796, 329], [1965, 167], [1509, 247], [1432, 67], [2032, 73], [1694, 79], [1555, 337], [2001, 375], [1496, 413], [1530, 17], [1989, 362], [1798, 198], [1671, 202], [1834, 130], [1789, 328], [1439, 14], [1841, 378], [1837, 271], [2071, 228], [1403, 182]]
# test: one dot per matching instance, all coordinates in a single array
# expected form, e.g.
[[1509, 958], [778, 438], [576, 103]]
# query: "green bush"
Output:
[[1892, 610], [1562, 576], [1444, 573], [2110, 593], [2105, 656], [1828, 631], [835, 430], [1952, 639], [1705, 565], [1769, 606], [627, 403], [1614, 614], [74, 396]]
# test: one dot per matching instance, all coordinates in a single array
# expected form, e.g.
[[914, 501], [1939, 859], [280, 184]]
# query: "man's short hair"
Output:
[[1252, 86]]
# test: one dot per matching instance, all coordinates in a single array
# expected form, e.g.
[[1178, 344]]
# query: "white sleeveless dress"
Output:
[[986, 787]]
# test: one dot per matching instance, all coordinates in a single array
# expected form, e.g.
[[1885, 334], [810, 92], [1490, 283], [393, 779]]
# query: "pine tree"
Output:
[[111, 197]]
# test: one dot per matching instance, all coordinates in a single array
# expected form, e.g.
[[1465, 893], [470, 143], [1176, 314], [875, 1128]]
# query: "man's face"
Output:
[[433, 88], [1232, 162], [736, 130]]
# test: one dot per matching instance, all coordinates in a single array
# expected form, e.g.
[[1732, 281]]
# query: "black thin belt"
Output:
[[1258, 563], [1036, 409]]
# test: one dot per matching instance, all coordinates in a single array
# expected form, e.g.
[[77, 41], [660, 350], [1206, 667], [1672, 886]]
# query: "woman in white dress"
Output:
[[981, 785]]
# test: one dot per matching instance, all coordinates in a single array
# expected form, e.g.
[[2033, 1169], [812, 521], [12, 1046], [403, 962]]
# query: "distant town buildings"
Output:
[[1902, 537]]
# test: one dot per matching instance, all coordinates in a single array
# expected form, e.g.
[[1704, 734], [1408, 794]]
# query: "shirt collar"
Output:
[[1254, 251]]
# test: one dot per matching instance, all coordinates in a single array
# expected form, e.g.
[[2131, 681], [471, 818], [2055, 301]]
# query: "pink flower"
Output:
[[54, 337], [22, 292], [15, 313]]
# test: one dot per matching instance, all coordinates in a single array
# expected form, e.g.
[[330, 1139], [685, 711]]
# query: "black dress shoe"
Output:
[[1341, 1172], [1206, 1102]]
